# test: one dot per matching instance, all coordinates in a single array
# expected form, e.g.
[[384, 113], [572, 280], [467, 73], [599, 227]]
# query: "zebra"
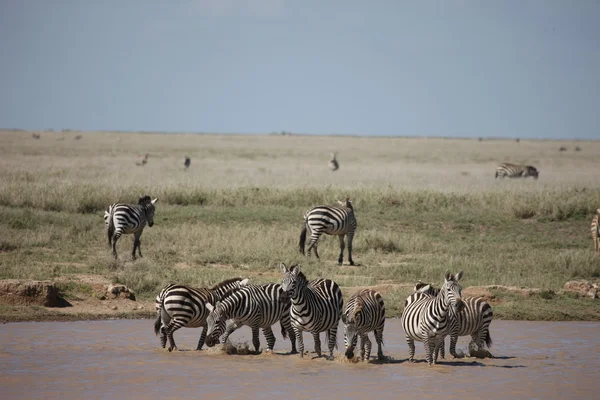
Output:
[[143, 162], [596, 232], [180, 306], [332, 220], [473, 320], [365, 312], [516, 171], [316, 307], [333, 163], [187, 162], [257, 306], [129, 218], [425, 318]]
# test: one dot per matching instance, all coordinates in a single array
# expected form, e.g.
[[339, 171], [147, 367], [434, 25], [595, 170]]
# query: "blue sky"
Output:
[[425, 68]]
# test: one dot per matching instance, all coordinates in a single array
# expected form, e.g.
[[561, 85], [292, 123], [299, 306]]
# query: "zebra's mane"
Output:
[[225, 283], [231, 291], [358, 306]]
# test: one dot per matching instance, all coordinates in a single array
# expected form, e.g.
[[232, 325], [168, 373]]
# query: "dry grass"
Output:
[[423, 206]]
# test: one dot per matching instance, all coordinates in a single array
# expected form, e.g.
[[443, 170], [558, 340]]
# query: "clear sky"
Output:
[[513, 68]]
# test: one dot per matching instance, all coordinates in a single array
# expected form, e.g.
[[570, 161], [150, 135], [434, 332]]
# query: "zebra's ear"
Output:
[[295, 269], [448, 275], [458, 276], [209, 307], [244, 282], [154, 201], [340, 203], [283, 267]]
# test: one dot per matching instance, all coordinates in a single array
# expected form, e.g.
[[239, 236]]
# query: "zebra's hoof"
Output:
[[294, 351]]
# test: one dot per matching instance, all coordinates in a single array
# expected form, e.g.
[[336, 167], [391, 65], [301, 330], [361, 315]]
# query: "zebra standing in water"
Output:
[[365, 312], [426, 318], [595, 231], [127, 219], [516, 171], [316, 307], [179, 306], [473, 320], [332, 220], [257, 306], [333, 163]]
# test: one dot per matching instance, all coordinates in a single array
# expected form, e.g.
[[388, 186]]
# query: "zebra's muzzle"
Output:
[[349, 354], [460, 305], [150, 224]]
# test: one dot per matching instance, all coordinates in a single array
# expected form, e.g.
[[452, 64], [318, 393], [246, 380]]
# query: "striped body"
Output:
[[179, 306], [364, 313], [129, 219], [425, 318], [331, 220], [595, 233], [333, 163], [257, 306], [316, 307], [474, 320], [516, 171]]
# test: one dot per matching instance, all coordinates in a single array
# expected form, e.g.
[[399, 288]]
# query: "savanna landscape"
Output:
[[423, 206]]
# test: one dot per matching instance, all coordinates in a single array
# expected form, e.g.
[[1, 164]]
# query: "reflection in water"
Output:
[[123, 359]]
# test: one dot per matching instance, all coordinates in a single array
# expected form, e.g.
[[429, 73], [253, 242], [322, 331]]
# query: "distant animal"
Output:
[[144, 161], [129, 219], [316, 307], [257, 306], [577, 148], [36, 135], [364, 312], [516, 171], [517, 140], [596, 232], [187, 162], [332, 220], [333, 163], [562, 148], [426, 318], [182, 306], [78, 137], [473, 320]]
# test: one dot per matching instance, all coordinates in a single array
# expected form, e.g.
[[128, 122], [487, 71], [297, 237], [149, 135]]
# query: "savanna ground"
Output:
[[422, 205]]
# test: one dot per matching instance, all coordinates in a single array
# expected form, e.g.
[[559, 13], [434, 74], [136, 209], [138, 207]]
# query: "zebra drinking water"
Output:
[[316, 307], [365, 312], [332, 220], [179, 306], [425, 318], [257, 306], [473, 320], [516, 171], [129, 219]]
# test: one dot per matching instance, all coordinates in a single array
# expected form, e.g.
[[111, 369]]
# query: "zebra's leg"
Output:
[[163, 337], [332, 339], [427, 343], [350, 237], [116, 237], [342, 246], [285, 321], [202, 338], [365, 342], [299, 340], [411, 348], [256, 340], [314, 239], [379, 340], [136, 244], [442, 350], [317, 340], [453, 340], [268, 332]]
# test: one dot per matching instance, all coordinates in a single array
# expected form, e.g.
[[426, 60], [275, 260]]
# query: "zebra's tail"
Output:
[[283, 330], [111, 225], [158, 320], [302, 239], [488, 339], [496, 174]]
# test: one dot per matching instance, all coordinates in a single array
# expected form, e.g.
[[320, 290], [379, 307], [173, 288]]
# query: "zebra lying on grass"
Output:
[[473, 320], [122, 219], [365, 312], [180, 306], [332, 220], [257, 306], [516, 171], [425, 318], [316, 307]]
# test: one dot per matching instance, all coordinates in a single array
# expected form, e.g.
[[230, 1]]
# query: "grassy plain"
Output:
[[423, 205]]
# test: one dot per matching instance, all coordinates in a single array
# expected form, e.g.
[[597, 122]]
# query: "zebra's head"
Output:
[[351, 319], [347, 203], [215, 323], [149, 209], [292, 281], [452, 291], [531, 171]]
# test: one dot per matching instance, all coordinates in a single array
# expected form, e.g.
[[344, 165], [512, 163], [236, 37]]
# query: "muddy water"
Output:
[[121, 359]]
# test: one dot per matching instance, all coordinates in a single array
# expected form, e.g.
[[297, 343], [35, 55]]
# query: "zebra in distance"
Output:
[[143, 162], [473, 320], [516, 171], [316, 307], [182, 306], [595, 231], [129, 219], [364, 312], [332, 220], [187, 162], [425, 318], [334, 165], [257, 306]]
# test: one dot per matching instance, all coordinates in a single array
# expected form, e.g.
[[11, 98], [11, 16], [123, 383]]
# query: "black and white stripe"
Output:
[[473, 320], [516, 171], [425, 318], [365, 312], [257, 306], [316, 307], [129, 219], [332, 220], [334, 165], [595, 231], [179, 306]]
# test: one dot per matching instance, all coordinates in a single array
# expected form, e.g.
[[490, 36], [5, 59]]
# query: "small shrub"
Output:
[[547, 294]]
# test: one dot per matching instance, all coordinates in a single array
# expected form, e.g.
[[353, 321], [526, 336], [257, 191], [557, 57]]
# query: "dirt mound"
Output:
[[28, 292], [583, 288]]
